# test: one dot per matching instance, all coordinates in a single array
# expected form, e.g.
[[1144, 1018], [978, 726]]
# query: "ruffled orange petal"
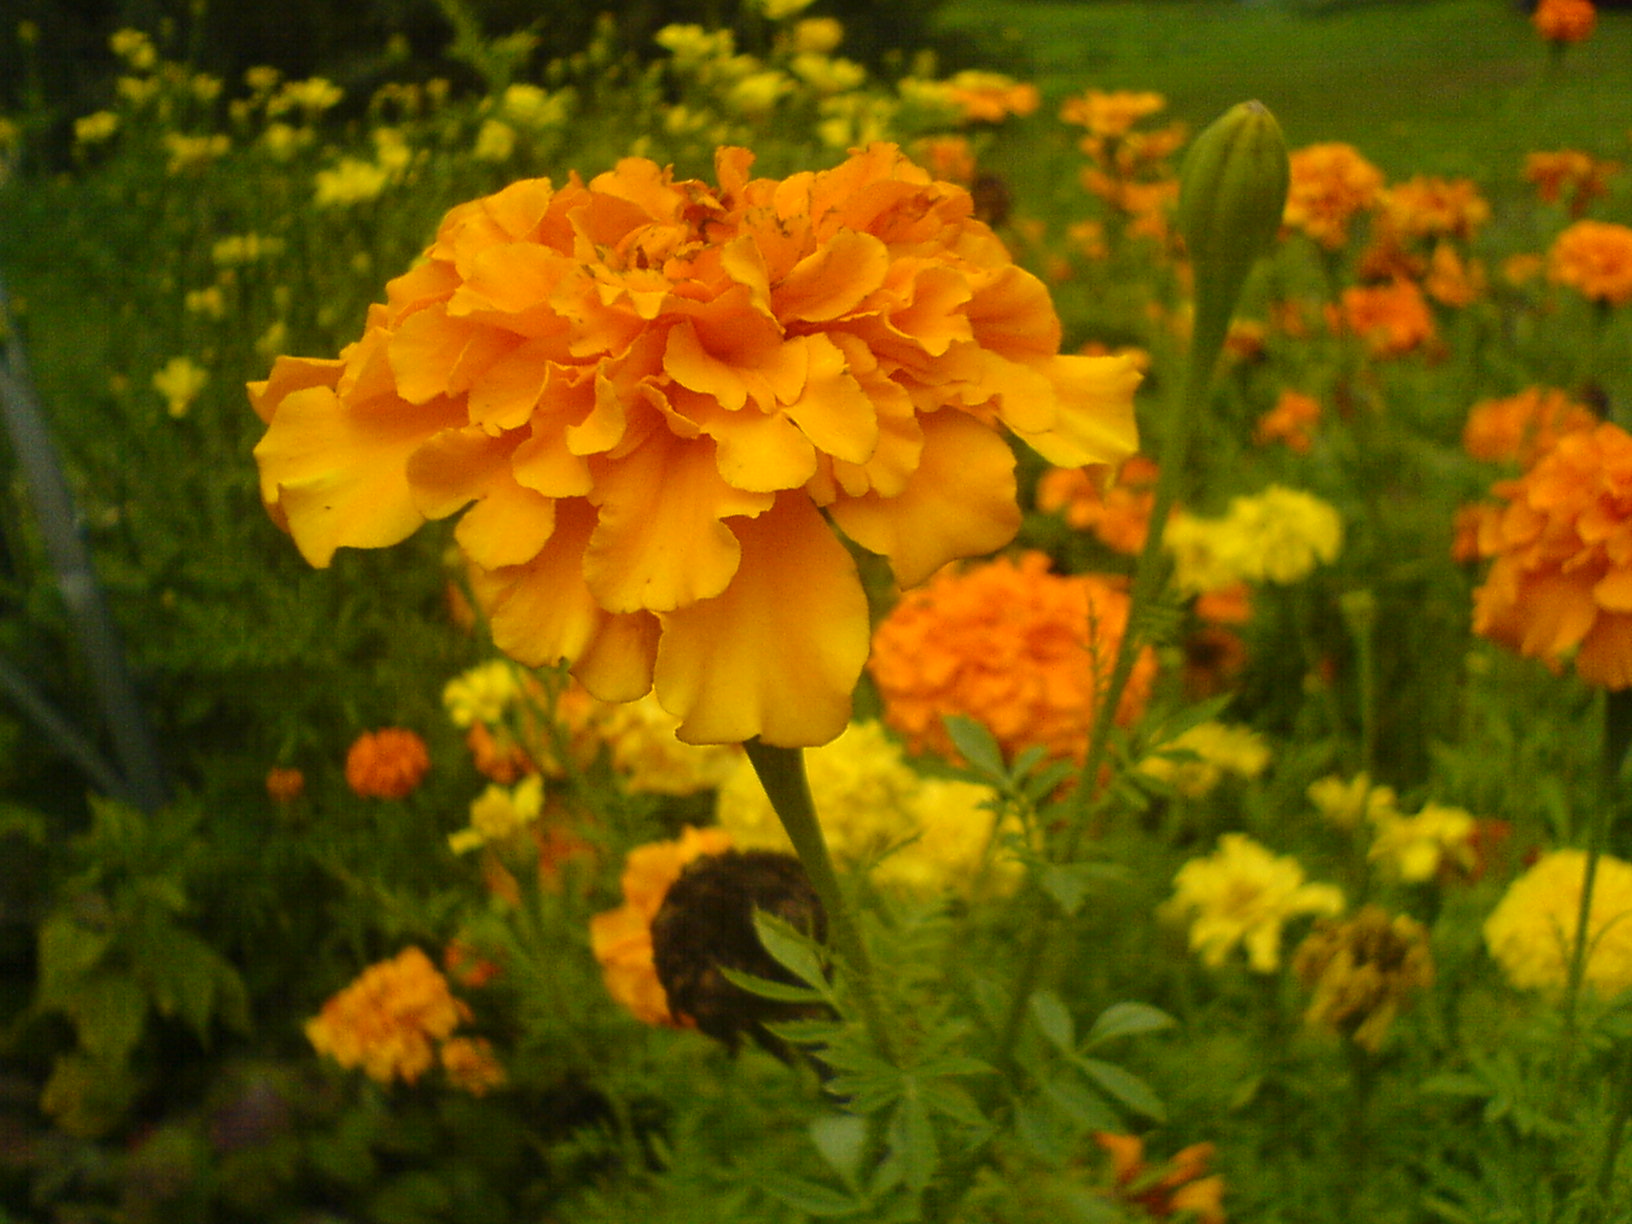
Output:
[[778, 653], [1094, 422], [291, 374], [959, 503], [1605, 658]]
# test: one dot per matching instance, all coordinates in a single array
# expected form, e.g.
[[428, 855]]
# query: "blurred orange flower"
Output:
[[1570, 173], [1519, 428], [1111, 113], [622, 938], [387, 764], [388, 1019], [1392, 319], [1008, 643], [1595, 259], [1117, 512], [989, 97], [1289, 421], [654, 400], [285, 785], [1429, 207], [1564, 21], [1330, 184], [1561, 581], [1179, 1186], [1452, 281]]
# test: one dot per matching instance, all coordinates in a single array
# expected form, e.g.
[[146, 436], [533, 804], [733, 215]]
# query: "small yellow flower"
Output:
[[95, 128], [193, 152], [756, 95], [283, 140], [1361, 971], [180, 382], [499, 813], [138, 91], [135, 48], [533, 107], [495, 141], [235, 250], [1346, 804], [1242, 896], [1416, 847], [1276, 536], [313, 97], [781, 10], [692, 45], [262, 79], [352, 181], [827, 75], [482, 694], [207, 302], [1197, 761], [817, 35]]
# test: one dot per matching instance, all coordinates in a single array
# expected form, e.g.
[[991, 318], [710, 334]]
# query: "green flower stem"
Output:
[[782, 773]]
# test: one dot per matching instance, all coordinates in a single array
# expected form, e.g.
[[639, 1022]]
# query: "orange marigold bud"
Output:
[[387, 764]]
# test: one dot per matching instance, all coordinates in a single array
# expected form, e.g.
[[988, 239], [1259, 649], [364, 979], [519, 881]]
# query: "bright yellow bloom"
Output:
[[1197, 761], [388, 1019], [923, 834], [661, 396], [495, 141], [1276, 536], [350, 181], [483, 693], [135, 48], [95, 128], [1415, 847], [533, 107], [193, 152], [499, 813], [1346, 804], [1531, 932], [647, 757], [180, 382], [817, 35], [312, 97], [1242, 896]]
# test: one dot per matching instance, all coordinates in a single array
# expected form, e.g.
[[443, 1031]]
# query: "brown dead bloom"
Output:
[[1362, 971]]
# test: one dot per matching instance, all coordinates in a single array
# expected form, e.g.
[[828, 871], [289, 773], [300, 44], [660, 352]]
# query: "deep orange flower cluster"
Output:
[[391, 1021], [1111, 113], [1564, 21], [1595, 259], [1560, 584], [387, 764], [1429, 207], [1289, 421], [1520, 428], [1571, 175], [1117, 512], [990, 97], [654, 399], [1129, 169], [1180, 1186], [622, 938], [1022, 650], [1331, 183], [1392, 319]]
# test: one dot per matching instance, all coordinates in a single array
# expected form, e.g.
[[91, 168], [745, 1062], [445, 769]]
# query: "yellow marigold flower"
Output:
[[649, 759], [1242, 896], [1595, 259], [1289, 422], [262, 78], [661, 397], [923, 834], [1531, 932], [282, 141], [1415, 848], [1330, 184], [533, 107], [135, 48], [1561, 582], [386, 764], [827, 75], [180, 382], [1276, 536], [989, 97], [692, 45], [1117, 512], [1111, 114], [756, 94], [1571, 173], [470, 1064], [1430, 207], [209, 302], [1521, 428], [499, 813], [482, 694], [138, 91], [388, 1019], [1392, 319], [95, 128], [621, 939], [495, 141], [1024, 651], [817, 35], [351, 181], [1347, 804], [1198, 760], [1564, 21], [312, 97], [193, 152], [1362, 971]]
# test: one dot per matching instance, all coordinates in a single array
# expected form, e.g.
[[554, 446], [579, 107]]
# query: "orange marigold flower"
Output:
[[949, 158], [1561, 581], [1118, 513], [387, 764], [1595, 259], [1007, 643], [285, 785], [1564, 21], [388, 1019], [1570, 173], [1392, 319], [469, 1063], [1180, 1185], [622, 938], [658, 397], [990, 97], [1289, 421], [1450, 280], [1469, 524], [1330, 184], [1519, 270], [1519, 428], [1429, 207], [1113, 113]]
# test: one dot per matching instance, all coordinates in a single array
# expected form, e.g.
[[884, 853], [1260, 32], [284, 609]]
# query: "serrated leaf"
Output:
[[1053, 1020], [1047, 780], [805, 1032], [1127, 1020], [1125, 1086], [812, 1198], [977, 746], [793, 950], [951, 1101], [765, 988]]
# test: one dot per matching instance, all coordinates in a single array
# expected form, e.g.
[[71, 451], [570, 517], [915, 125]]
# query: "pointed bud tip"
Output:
[[1233, 190]]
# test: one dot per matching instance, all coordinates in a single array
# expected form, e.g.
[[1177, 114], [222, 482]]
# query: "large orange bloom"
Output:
[[654, 396], [1330, 184], [1564, 21], [1562, 577], [1025, 651], [1595, 259], [1521, 428]]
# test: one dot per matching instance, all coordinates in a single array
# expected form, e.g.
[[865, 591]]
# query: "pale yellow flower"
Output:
[[1416, 847], [533, 107], [499, 813], [135, 48], [817, 35], [1346, 804], [193, 152], [1198, 760], [482, 694], [208, 302], [180, 382], [312, 96], [757, 94], [95, 128], [495, 141], [650, 759], [352, 181], [283, 140], [827, 75], [1242, 896]]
